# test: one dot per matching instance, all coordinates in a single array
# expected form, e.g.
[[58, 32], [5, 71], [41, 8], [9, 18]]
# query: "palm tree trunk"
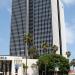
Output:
[[24, 71], [45, 69], [26, 56]]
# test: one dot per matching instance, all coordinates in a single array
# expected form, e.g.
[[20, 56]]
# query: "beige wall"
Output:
[[18, 60], [30, 70]]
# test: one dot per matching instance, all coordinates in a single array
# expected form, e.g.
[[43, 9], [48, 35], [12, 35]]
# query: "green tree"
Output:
[[54, 49], [45, 47], [24, 68], [28, 38], [28, 41], [68, 53], [73, 63], [52, 60], [32, 52]]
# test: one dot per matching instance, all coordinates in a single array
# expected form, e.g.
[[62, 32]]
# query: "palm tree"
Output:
[[28, 41], [68, 53], [32, 51], [45, 47], [28, 38], [73, 63], [54, 49], [24, 67]]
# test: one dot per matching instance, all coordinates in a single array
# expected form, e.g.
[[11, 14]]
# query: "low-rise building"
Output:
[[12, 65]]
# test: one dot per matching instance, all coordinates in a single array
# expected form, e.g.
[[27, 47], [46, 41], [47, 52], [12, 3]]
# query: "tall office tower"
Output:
[[44, 19]]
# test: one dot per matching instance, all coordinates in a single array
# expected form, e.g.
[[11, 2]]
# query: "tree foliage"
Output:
[[53, 60], [24, 66], [32, 52], [28, 38], [72, 62], [54, 49], [68, 53], [45, 47]]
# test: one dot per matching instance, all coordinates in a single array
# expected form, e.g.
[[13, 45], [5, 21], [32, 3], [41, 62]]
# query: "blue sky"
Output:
[[5, 22]]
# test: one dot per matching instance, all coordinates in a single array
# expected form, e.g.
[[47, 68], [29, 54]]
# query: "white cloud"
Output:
[[69, 2], [70, 33]]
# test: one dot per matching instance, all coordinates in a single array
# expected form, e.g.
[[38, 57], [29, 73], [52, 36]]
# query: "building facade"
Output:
[[44, 19], [13, 65]]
